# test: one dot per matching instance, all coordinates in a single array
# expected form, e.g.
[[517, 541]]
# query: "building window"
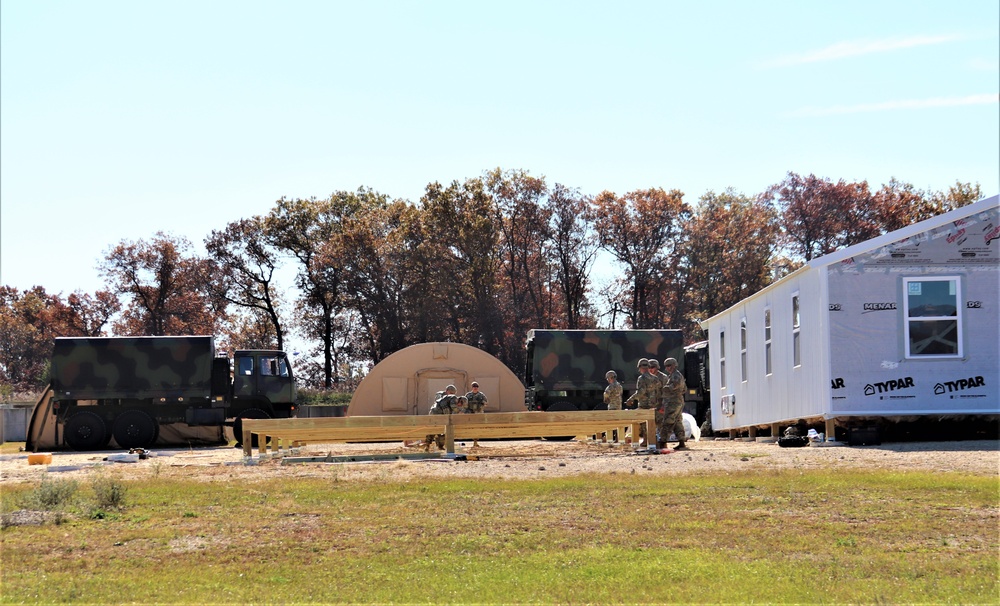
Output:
[[933, 319], [767, 341], [743, 349], [796, 326], [722, 359]]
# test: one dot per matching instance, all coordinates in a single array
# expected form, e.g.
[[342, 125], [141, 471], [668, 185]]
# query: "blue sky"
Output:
[[121, 119]]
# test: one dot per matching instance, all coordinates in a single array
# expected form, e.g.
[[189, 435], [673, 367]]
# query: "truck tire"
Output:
[[85, 430], [135, 429], [249, 413]]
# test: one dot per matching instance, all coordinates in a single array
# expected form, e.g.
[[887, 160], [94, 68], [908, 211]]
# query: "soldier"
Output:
[[477, 402], [445, 405], [658, 392], [673, 401], [613, 397], [613, 392], [477, 399], [643, 395]]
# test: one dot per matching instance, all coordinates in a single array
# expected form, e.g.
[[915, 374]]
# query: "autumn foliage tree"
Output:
[[574, 250], [643, 229], [731, 241], [245, 279], [31, 319], [479, 261], [164, 287]]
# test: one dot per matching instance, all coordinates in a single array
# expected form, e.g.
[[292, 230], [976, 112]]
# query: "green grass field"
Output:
[[804, 537]]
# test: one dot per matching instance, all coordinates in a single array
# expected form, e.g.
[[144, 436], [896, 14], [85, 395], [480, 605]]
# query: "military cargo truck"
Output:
[[125, 387], [565, 369]]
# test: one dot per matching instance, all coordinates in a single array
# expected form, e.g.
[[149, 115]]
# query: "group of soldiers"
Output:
[[449, 402], [663, 391]]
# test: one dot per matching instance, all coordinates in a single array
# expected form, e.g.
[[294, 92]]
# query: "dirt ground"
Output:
[[519, 459]]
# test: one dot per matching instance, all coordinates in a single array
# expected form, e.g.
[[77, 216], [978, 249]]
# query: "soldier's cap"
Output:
[[643, 362], [654, 364], [670, 362], [611, 375], [450, 389], [463, 399], [474, 384]]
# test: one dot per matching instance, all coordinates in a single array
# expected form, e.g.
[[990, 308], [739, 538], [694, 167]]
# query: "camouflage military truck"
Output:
[[125, 387], [565, 369]]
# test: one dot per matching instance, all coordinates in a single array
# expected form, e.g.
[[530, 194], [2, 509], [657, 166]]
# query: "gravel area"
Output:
[[520, 459]]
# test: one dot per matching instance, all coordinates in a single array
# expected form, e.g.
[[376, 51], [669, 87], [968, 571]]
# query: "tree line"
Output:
[[480, 262]]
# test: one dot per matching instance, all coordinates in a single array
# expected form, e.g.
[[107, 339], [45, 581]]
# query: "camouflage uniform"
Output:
[[613, 399], [446, 404], [660, 392], [477, 401], [613, 395], [645, 386], [673, 402]]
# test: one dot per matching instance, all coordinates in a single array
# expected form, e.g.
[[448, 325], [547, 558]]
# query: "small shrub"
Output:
[[322, 397], [109, 493], [51, 494]]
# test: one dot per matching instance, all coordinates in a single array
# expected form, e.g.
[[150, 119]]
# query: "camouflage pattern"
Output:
[[476, 401], [613, 395], [145, 368], [647, 390], [661, 390], [673, 405], [446, 404], [575, 361], [100, 368], [127, 386]]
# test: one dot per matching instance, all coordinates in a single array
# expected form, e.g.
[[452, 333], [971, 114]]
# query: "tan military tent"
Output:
[[407, 382]]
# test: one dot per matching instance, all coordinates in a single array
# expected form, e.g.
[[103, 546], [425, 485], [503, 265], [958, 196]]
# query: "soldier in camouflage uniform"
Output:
[[613, 397], [643, 395], [613, 392], [673, 402], [446, 404], [658, 393], [477, 399], [477, 402]]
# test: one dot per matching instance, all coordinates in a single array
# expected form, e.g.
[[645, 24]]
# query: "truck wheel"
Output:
[[250, 413], [135, 429], [85, 430]]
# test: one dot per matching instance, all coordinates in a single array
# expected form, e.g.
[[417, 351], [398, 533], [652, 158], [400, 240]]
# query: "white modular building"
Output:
[[901, 326]]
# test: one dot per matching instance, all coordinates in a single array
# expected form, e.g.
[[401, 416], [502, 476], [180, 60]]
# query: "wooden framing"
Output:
[[276, 434]]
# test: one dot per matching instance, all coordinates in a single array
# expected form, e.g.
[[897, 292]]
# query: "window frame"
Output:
[[744, 338], [958, 318], [768, 369], [722, 359], [796, 330]]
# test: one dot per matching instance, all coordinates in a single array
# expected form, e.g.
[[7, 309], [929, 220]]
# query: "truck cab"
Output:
[[263, 379]]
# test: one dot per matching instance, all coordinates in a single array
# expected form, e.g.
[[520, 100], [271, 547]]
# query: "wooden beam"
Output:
[[284, 432]]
